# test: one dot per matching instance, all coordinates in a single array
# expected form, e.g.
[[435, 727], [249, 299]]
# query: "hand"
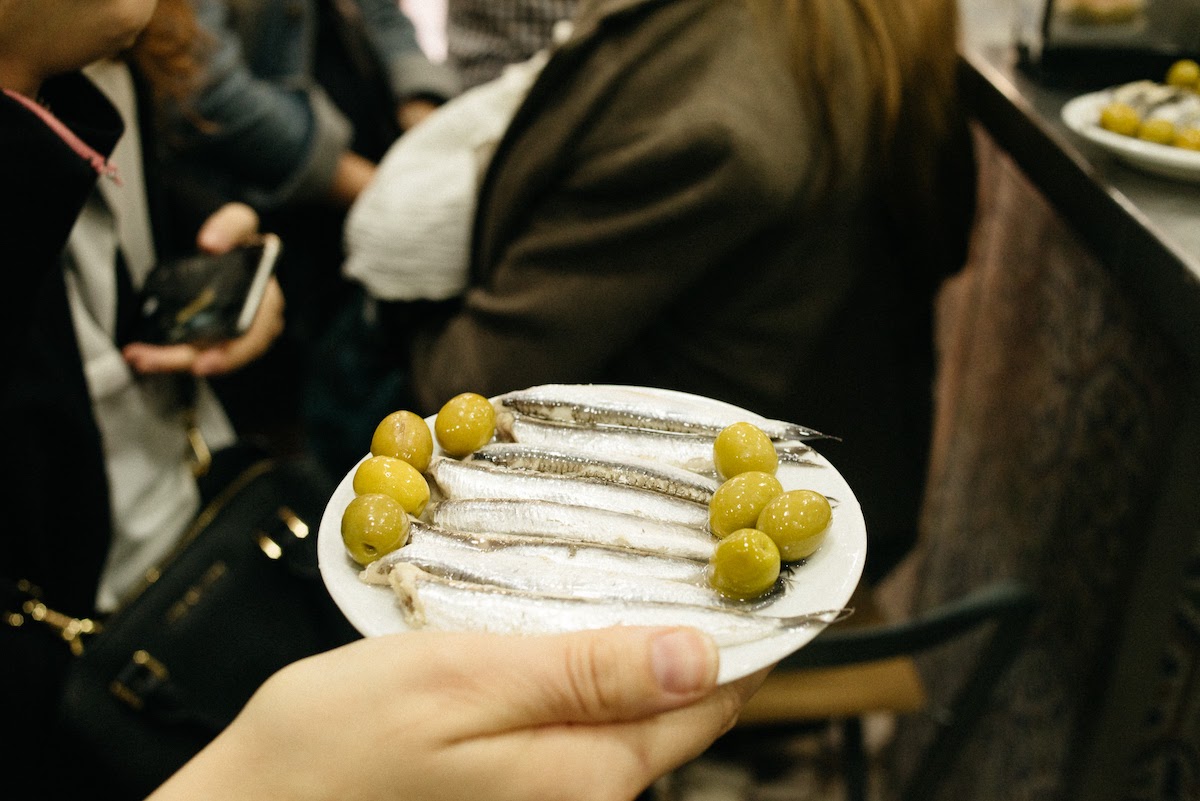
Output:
[[429, 716], [411, 112], [350, 177], [231, 225]]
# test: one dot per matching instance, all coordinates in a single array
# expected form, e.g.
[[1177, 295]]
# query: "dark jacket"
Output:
[[55, 494], [650, 218]]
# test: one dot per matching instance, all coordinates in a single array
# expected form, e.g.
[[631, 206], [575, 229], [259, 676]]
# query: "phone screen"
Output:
[[204, 297]]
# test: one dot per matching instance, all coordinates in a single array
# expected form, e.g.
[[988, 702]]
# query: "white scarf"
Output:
[[408, 235], [151, 488]]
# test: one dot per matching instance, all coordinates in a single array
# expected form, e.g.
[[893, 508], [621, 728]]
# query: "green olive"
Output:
[[1159, 131], [373, 525], [1188, 138], [1185, 74], [465, 424], [797, 522], [395, 477], [744, 565], [1120, 118], [404, 435], [742, 447], [739, 500]]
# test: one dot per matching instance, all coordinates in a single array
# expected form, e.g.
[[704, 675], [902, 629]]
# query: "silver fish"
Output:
[[537, 573], [573, 523], [477, 479], [445, 604], [692, 452], [628, 471], [603, 405], [576, 555]]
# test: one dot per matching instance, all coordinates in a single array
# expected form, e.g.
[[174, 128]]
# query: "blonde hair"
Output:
[[879, 74], [879, 78]]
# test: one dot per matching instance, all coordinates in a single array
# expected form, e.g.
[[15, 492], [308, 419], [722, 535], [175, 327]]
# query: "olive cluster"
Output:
[[1128, 118], [390, 486], [760, 525]]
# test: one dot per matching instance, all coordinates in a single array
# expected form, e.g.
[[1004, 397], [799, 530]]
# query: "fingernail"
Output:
[[213, 240], [684, 661]]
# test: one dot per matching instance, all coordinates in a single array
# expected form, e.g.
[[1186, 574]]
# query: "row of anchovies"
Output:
[[449, 604], [690, 451], [550, 567]]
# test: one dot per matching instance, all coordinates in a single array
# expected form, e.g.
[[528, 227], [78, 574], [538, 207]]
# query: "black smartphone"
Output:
[[206, 298]]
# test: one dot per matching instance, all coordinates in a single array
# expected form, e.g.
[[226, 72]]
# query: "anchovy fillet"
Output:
[[536, 573], [592, 405], [693, 452], [474, 479], [450, 605], [628, 471], [573, 522], [575, 554]]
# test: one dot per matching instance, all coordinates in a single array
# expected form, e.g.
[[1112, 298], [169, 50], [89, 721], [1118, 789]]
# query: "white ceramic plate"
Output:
[[825, 581], [1082, 115]]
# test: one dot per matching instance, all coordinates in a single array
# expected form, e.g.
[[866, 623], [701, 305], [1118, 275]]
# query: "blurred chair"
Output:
[[866, 666]]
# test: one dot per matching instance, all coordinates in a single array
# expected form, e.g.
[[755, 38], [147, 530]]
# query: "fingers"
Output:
[[154, 359], [232, 224], [614, 674], [350, 177], [413, 111], [217, 359], [630, 756], [236, 353], [614, 760]]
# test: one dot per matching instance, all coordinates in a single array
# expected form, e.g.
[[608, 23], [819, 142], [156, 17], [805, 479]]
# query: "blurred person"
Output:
[[297, 100], [752, 200], [597, 714], [96, 423], [485, 36], [296, 103]]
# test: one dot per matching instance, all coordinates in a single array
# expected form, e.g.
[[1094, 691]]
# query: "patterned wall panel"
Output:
[[1055, 400]]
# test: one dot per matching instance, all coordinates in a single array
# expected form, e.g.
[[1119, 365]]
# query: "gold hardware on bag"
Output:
[[298, 527], [70, 629], [201, 456], [144, 671], [269, 546]]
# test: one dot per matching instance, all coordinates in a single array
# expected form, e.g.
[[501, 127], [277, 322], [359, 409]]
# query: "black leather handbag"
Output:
[[239, 599]]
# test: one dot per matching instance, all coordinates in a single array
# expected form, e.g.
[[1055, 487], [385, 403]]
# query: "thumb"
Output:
[[227, 227], [608, 675]]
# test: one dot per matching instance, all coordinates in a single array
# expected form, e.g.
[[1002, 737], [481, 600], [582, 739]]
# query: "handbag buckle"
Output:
[[139, 680], [71, 629]]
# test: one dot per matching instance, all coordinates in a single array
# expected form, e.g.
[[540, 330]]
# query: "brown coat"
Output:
[[649, 219]]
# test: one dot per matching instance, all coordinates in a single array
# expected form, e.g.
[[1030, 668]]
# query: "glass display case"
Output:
[[1094, 43]]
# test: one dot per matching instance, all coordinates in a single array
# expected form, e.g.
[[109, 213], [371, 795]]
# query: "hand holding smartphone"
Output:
[[206, 298]]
